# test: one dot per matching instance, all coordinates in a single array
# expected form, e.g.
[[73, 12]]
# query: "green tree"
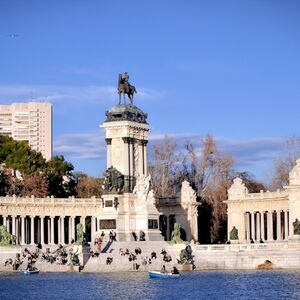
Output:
[[60, 177], [18, 155]]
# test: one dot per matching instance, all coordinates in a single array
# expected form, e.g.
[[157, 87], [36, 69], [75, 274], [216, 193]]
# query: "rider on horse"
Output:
[[124, 87]]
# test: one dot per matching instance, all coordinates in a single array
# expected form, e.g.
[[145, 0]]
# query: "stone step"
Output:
[[121, 262]]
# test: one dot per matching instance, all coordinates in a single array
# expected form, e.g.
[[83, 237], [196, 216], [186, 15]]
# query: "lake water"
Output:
[[193, 285]]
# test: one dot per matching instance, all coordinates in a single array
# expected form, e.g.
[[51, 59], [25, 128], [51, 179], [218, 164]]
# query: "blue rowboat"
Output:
[[155, 274], [26, 272]]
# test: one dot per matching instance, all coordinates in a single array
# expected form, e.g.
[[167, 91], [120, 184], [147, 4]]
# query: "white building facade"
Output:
[[265, 216], [31, 122]]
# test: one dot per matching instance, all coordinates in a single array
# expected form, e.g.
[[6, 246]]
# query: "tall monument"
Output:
[[128, 203]]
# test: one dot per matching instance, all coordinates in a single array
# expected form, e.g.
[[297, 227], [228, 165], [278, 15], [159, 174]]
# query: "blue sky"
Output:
[[227, 68]]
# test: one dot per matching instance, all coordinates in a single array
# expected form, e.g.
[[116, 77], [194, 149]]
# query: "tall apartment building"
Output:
[[30, 122]]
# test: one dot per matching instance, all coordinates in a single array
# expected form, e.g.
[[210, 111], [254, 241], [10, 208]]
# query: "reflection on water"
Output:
[[194, 285]]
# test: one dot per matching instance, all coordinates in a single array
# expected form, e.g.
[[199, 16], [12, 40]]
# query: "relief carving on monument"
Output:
[[136, 154], [238, 189], [294, 175], [188, 195], [144, 193], [117, 152]]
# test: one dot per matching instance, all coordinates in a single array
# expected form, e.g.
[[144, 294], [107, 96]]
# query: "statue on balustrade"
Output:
[[73, 259], [176, 234], [80, 236], [186, 256], [234, 235], [6, 238], [296, 226]]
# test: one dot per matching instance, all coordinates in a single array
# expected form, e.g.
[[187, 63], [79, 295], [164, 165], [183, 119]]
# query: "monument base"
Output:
[[129, 219], [83, 253]]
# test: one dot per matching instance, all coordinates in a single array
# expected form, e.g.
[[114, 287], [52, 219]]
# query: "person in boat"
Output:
[[175, 270], [29, 267], [163, 269]]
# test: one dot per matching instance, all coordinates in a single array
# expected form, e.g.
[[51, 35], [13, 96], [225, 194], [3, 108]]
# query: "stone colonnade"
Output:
[[182, 210], [166, 225], [51, 230], [262, 226], [48, 220]]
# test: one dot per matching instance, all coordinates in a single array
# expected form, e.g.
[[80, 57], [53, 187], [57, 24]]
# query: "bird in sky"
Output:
[[13, 35]]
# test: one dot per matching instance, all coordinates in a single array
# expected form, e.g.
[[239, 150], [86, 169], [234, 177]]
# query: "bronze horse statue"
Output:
[[124, 87]]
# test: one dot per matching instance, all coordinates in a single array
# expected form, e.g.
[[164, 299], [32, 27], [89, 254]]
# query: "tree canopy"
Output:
[[24, 172]]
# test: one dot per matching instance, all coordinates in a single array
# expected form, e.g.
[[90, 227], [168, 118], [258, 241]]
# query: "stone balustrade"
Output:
[[246, 247], [71, 200]]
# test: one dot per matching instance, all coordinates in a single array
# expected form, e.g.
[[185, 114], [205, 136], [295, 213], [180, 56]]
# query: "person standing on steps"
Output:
[[99, 245], [114, 236]]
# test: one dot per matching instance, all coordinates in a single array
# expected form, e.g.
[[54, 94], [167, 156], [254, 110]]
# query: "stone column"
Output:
[[23, 230], [69, 230], [247, 222], [52, 230], [258, 237], [252, 226], [42, 231], [62, 221], [32, 230], [168, 228], [262, 224], [17, 230], [93, 230], [108, 152], [59, 230], [145, 157], [131, 155], [141, 157], [73, 228], [270, 226], [4, 221], [27, 231], [286, 225], [82, 221], [278, 229], [126, 156], [13, 225], [49, 231]]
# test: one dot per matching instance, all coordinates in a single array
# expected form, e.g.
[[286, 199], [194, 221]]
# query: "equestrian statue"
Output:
[[124, 87]]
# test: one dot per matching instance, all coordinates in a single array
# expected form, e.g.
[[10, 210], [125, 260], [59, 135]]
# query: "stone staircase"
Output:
[[121, 263]]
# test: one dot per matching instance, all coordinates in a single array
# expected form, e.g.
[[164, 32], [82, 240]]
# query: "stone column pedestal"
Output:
[[83, 253], [295, 238]]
